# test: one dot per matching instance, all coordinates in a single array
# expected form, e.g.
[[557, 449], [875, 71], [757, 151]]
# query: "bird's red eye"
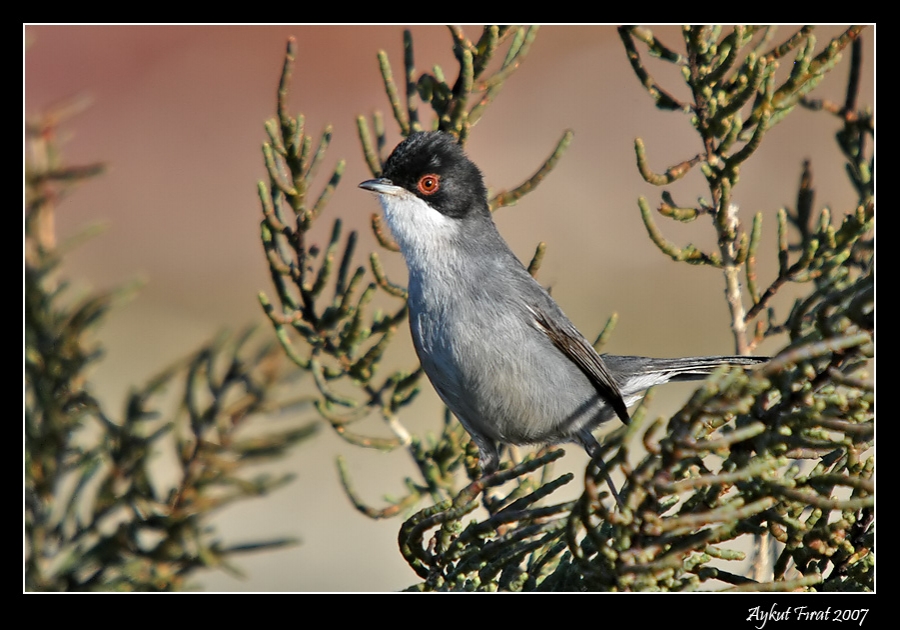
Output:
[[429, 184]]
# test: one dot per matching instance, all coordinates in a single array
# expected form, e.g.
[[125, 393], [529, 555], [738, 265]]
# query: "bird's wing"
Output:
[[574, 346]]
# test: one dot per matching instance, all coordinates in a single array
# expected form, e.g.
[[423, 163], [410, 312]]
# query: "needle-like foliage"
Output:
[[98, 516]]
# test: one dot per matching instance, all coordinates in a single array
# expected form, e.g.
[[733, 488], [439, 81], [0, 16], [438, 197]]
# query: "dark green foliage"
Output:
[[96, 516]]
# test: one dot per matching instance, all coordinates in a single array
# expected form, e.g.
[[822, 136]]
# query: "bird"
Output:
[[497, 348]]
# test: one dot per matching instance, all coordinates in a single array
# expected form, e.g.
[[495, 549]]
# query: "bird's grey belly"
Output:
[[505, 381]]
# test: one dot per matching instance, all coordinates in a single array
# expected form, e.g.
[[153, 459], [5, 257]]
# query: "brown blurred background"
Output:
[[177, 116]]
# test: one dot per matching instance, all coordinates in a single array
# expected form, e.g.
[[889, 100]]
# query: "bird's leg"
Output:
[[488, 454], [592, 446]]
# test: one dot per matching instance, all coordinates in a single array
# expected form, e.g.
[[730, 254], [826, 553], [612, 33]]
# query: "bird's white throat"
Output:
[[419, 229]]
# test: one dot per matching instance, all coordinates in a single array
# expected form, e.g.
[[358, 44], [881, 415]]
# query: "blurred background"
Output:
[[177, 116]]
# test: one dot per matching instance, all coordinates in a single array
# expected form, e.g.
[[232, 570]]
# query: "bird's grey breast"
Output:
[[487, 360]]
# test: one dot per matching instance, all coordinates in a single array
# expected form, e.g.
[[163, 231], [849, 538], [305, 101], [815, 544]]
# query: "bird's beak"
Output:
[[381, 186]]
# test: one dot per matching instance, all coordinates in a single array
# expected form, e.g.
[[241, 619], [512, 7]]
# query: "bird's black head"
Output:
[[433, 166]]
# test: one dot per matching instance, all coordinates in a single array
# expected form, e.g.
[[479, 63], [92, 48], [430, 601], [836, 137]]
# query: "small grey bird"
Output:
[[499, 351]]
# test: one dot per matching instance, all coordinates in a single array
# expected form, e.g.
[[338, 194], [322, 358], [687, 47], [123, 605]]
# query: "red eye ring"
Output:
[[429, 184]]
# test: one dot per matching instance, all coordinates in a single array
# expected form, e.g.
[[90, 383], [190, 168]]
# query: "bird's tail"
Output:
[[636, 374]]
